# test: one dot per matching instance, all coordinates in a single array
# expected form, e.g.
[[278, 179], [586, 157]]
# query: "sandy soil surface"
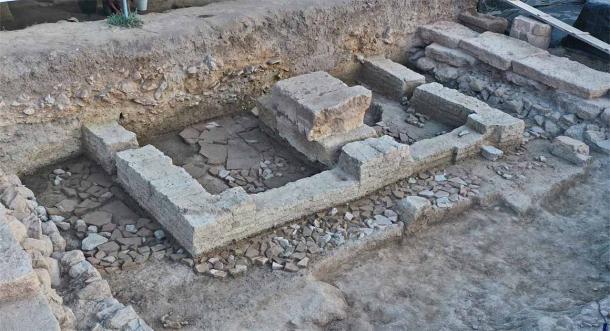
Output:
[[486, 270]]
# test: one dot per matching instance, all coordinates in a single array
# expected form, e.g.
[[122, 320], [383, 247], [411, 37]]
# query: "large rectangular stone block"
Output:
[[451, 56], [445, 105], [390, 78], [166, 191], [500, 128], [320, 105], [564, 74], [325, 150], [498, 50], [484, 22], [303, 197], [532, 31], [103, 141], [374, 160], [446, 33]]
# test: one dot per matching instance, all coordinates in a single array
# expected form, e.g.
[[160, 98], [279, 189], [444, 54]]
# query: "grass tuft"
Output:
[[132, 21]]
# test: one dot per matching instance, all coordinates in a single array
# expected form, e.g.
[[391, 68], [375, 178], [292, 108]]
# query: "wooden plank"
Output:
[[581, 35]]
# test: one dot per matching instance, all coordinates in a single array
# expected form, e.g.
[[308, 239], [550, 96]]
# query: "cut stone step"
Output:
[[390, 78], [498, 50], [446, 33], [564, 74], [103, 141], [484, 22], [320, 105]]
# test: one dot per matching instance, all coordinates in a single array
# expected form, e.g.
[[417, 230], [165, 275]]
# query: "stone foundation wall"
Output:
[[183, 66], [553, 95]]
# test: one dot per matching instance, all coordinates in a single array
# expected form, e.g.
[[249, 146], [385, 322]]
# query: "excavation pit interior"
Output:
[[284, 165], [233, 151]]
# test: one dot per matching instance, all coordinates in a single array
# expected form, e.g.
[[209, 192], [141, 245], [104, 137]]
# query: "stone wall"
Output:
[[183, 66], [554, 95]]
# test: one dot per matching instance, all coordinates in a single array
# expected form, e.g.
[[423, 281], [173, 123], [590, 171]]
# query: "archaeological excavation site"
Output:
[[304, 165]]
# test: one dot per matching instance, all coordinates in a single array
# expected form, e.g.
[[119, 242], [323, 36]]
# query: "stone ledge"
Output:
[[564, 74], [390, 78], [446, 33], [484, 22], [498, 50]]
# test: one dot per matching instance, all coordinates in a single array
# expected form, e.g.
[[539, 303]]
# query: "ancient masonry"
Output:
[[308, 111], [496, 92]]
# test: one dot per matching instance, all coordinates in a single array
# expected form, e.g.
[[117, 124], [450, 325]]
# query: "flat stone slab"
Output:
[[452, 56], [215, 153], [564, 74], [31, 313], [390, 78], [17, 278], [484, 22], [320, 105], [103, 141], [498, 50], [446, 33], [98, 218], [241, 155]]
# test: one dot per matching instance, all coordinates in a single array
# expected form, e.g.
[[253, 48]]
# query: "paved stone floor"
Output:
[[233, 151]]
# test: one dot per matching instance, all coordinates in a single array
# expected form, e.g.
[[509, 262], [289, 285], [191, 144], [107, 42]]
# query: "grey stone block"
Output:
[[452, 56], [303, 197], [412, 207], [564, 74], [500, 128], [484, 22], [446, 33], [498, 50], [320, 105], [390, 78], [446, 105], [374, 159], [491, 153], [325, 150], [572, 150], [103, 141], [17, 278], [532, 31]]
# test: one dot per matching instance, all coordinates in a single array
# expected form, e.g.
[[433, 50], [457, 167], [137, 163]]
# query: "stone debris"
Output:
[[570, 149], [532, 31], [491, 153], [237, 153]]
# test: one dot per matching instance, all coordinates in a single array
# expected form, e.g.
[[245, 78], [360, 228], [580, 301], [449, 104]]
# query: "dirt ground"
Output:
[[486, 270]]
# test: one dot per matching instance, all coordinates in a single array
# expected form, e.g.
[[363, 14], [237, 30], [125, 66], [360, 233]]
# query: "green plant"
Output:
[[131, 21]]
